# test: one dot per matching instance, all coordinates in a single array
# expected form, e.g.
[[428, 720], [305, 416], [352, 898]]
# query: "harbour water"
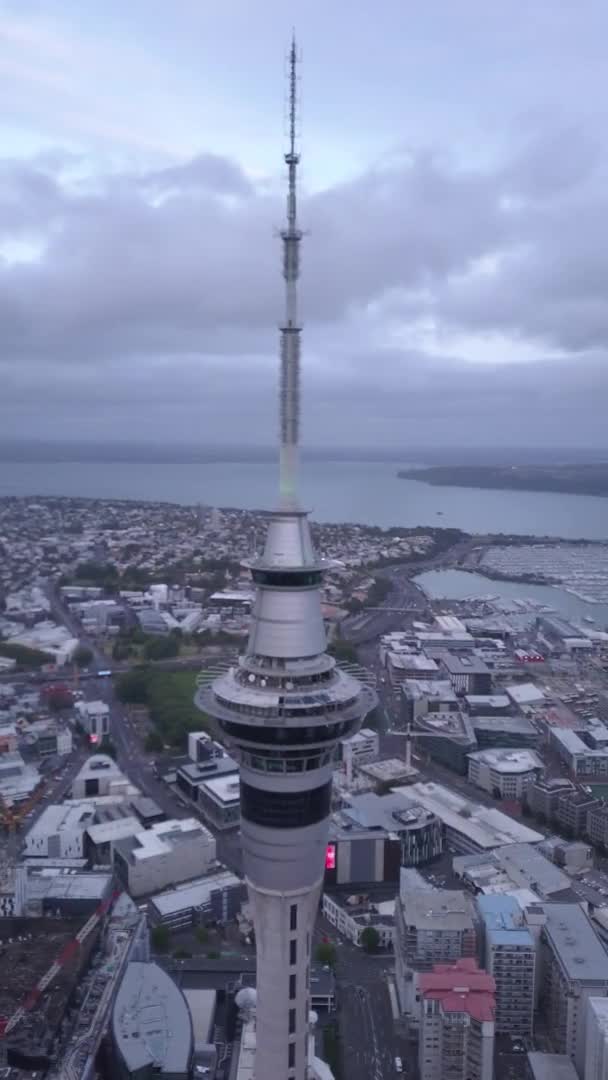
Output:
[[460, 584], [365, 492]]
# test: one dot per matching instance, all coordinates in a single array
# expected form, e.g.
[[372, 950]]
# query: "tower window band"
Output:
[[293, 917], [283, 809]]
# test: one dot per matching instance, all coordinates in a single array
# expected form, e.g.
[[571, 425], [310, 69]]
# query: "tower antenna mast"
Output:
[[291, 236]]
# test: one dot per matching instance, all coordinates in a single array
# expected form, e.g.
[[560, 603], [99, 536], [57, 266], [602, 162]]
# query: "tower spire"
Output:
[[290, 330]]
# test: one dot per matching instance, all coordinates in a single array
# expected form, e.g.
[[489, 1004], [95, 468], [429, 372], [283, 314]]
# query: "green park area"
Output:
[[169, 698]]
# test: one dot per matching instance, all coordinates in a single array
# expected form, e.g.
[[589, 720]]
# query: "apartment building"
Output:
[[510, 957], [456, 1023], [575, 968], [430, 928]]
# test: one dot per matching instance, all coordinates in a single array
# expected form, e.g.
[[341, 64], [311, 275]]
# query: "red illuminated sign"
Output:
[[330, 857]]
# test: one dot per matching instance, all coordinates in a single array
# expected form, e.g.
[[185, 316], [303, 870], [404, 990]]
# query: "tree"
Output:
[[121, 650], [213, 954], [83, 656], [154, 743], [132, 687], [161, 648], [182, 954], [370, 939], [160, 938], [202, 935], [326, 953], [343, 651]]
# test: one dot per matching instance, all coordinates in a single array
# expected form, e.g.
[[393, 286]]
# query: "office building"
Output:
[[59, 832], [596, 1041], [360, 748], [505, 774], [193, 776], [467, 673], [542, 796], [510, 957], [573, 809], [374, 835], [469, 826], [216, 897], [505, 731], [99, 839], [446, 737], [219, 801], [597, 825], [166, 854], [582, 762], [201, 747], [419, 697], [574, 969], [94, 717], [456, 1023], [511, 868], [151, 1026], [284, 707]]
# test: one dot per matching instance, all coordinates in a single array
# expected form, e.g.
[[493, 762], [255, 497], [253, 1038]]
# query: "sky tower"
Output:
[[282, 710]]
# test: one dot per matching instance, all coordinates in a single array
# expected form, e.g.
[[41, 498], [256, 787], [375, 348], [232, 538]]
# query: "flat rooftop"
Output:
[[507, 761], [551, 1066], [225, 789], [484, 826], [575, 943], [193, 894], [445, 909], [392, 813], [108, 831]]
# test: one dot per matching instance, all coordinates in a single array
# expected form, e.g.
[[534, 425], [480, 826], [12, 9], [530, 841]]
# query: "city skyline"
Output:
[[455, 196]]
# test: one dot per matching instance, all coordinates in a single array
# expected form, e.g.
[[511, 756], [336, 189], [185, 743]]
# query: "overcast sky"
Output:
[[453, 189]]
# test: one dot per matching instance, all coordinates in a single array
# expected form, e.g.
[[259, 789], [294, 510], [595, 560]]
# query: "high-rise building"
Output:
[[456, 1023], [282, 709], [575, 968], [430, 928], [510, 956], [596, 1042]]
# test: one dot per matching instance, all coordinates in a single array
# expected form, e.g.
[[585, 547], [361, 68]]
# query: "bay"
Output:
[[460, 584], [365, 492]]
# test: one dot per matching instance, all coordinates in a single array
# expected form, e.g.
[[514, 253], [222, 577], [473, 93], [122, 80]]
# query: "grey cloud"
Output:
[[159, 314]]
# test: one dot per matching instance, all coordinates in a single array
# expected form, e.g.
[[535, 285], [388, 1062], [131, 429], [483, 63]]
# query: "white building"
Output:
[[168, 853], [469, 826], [360, 748], [596, 1042], [18, 779], [457, 1023], [351, 920], [59, 832], [100, 775], [505, 773], [216, 897], [95, 718], [219, 801], [575, 968]]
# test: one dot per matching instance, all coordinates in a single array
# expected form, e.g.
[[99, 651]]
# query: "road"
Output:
[[136, 765], [367, 1028]]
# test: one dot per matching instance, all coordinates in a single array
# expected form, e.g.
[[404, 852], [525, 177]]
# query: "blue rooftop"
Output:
[[503, 920]]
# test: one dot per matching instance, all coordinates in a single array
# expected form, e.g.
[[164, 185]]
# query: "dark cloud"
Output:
[[150, 299]]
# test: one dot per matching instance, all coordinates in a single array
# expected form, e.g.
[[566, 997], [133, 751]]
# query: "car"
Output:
[[398, 1065]]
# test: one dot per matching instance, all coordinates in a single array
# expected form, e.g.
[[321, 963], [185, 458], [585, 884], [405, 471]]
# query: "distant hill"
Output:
[[578, 479]]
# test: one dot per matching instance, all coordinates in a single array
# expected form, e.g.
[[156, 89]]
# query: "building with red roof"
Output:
[[457, 1022]]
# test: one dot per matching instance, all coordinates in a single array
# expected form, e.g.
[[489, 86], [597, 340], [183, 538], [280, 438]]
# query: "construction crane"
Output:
[[67, 953]]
